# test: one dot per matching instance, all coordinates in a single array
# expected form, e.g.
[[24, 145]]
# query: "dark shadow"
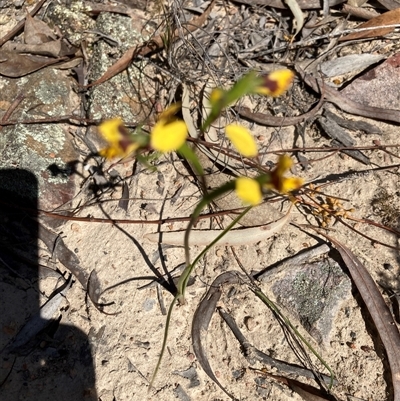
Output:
[[41, 359], [100, 182]]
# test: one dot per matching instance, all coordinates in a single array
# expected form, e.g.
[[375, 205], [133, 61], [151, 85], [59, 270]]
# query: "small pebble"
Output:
[[75, 227], [219, 252], [238, 374], [148, 304], [236, 301], [250, 323]]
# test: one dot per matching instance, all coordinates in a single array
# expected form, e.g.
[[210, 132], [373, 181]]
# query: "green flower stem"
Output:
[[207, 199], [164, 344], [183, 280], [186, 152], [244, 86]]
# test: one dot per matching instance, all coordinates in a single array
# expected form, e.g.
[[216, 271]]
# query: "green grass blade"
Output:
[[275, 309]]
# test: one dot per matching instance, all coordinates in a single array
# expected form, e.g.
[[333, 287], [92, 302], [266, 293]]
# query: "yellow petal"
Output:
[[278, 182], [108, 153], [119, 149], [242, 140], [284, 164], [112, 130], [168, 136], [275, 83], [120, 141], [170, 111], [216, 95], [248, 190], [291, 184]]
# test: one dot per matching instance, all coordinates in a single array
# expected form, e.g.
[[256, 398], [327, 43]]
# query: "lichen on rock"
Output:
[[128, 94]]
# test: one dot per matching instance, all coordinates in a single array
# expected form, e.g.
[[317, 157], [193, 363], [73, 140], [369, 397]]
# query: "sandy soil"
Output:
[[125, 341]]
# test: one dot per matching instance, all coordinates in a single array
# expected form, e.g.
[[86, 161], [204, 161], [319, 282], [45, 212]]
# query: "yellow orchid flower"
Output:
[[275, 83], [248, 190], [291, 184], [168, 136], [111, 129], [170, 111], [169, 133], [216, 95], [242, 140], [120, 142], [281, 183]]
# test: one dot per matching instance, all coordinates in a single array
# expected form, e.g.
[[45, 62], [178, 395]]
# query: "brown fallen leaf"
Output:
[[389, 4], [274, 121], [20, 25], [37, 32], [51, 49], [304, 4], [308, 393], [341, 138], [124, 201], [55, 48], [94, 293], [353, 125], [202, 318], [389, 18], [15, 65], [349, 106], [305, 391], [359, 12], [377, 308], [56, 244], [252, 354]]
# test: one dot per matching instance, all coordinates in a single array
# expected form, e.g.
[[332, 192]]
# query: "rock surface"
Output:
[[37, 147], [314, 292]]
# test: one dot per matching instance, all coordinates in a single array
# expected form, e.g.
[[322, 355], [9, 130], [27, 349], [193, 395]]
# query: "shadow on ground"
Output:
[[41, 359]]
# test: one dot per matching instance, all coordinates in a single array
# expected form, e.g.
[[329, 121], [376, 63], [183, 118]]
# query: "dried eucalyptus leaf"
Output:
[[37, 32], [333, 130], [297, 13], [123, 203], [51, 49], [353, 125], [376, 305], [349, 64], [355, 154], [15, 65], [202, 318]]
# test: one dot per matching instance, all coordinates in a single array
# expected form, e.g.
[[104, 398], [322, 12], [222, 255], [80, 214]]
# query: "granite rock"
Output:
[[129, 94], [314, 293], [37, 147]]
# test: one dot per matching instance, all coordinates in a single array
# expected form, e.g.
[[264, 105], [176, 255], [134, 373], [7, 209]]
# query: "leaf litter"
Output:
[[377, 308], [187, 40]]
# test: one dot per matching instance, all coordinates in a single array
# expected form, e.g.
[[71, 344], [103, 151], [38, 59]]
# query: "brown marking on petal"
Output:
[[123, 130], [270, 84], [124, 144], [276, 180]]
